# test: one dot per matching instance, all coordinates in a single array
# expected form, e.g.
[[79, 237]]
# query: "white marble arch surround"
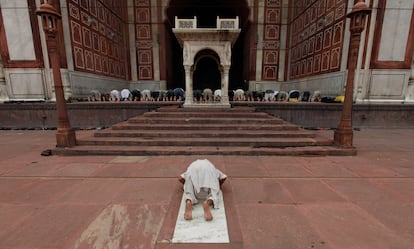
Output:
[[223, 53], [195, 40]]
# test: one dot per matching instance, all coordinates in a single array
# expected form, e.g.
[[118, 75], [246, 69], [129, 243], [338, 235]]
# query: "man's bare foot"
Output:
[[221, 181], [188, 213], [207, 212]]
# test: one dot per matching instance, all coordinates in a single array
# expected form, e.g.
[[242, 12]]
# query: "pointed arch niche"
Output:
[[199, 43]]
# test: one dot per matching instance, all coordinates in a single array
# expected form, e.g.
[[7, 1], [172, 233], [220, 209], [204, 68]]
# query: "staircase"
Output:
[[204, 131]]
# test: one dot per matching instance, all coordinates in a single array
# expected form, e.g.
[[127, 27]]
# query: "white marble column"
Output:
[[362, 86], [188, 86], [69, 55], [225, 85]]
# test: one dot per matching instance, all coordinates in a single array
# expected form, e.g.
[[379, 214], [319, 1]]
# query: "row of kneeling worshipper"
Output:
[[283, 96], [207, 95], [176, 94]]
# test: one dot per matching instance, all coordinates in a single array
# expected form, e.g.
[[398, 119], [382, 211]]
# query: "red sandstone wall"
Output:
[[98, 30], [317, 29]]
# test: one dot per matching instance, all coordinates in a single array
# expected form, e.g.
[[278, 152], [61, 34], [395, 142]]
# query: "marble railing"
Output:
[[222, 23], [228, 23], [186, 23]]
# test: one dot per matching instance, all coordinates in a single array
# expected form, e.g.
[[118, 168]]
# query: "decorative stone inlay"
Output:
[[227, 25], [183, 24]]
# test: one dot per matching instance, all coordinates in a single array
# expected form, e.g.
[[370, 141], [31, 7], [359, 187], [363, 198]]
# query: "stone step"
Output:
[[199, 150], [204, 133], [190, 141], [211, 114], [238, 109], [216, 126], [206, 120]]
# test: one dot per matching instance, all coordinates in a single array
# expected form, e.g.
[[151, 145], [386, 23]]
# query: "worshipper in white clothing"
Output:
[[202, 182], [115, 95], [126, 95]]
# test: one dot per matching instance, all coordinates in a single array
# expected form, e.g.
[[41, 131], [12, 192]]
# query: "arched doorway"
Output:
[[206, 13], [206, 71], [214, 43]]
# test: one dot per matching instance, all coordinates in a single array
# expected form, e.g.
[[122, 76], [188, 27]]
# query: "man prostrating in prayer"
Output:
[[202, 182]]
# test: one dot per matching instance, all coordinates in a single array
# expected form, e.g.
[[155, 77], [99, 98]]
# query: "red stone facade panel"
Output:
[[271, 39], [99, 36], [317, 29], [143, 39]]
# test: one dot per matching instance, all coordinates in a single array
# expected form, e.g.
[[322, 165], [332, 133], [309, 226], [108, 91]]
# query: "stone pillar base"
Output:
[[343, 138], [65, 137]]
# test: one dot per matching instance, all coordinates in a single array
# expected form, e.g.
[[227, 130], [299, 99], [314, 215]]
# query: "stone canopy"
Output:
[[206, 42]]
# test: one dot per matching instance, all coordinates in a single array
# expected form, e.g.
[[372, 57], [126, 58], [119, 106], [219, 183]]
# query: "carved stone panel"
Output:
[[317, 37], [98, 37]]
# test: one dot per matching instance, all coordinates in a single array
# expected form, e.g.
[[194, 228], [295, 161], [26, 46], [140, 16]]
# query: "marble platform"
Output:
[[198, 230]]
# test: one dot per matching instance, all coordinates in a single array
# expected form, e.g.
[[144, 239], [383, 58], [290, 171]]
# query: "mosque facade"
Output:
[[281, 45]]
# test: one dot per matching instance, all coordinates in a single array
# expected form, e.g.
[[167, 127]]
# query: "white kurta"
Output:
[[202, 182]]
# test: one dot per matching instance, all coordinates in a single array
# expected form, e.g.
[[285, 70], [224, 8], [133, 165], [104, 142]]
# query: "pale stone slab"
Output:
[[395, 30], [388, 83], [19, 35], [198, 230], [129, 159], [24, 83]]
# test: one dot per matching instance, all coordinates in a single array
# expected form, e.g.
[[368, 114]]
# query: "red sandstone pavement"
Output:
[[364, 202]]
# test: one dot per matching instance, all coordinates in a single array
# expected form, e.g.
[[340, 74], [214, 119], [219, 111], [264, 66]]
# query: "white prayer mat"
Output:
[[129, 159], [198, 230]]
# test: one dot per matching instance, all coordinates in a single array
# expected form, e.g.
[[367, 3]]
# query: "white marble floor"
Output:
[[198, 230]]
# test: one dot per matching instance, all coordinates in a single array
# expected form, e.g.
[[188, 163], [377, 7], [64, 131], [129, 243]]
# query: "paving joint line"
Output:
[[230, 177]]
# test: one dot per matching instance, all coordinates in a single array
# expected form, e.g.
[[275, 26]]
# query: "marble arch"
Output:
[[207, 52], [206, 13], [207, 70], [197, 41]]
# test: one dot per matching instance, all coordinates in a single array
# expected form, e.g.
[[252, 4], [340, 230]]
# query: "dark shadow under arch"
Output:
[[206, 71]]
